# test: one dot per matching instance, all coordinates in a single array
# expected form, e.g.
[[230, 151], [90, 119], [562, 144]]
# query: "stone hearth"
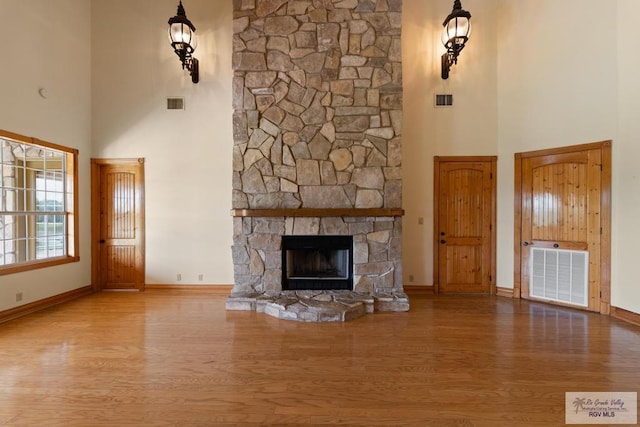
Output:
[[319, 306], [317, 126]]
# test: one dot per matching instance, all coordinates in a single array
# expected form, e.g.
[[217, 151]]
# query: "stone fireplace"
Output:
[[317, 99]]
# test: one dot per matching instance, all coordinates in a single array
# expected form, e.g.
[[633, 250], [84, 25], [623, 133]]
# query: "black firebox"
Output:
[[317, 263]]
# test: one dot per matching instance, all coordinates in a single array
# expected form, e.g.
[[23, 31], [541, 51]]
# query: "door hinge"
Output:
[[490, 175], [490, 278], [600, 230]]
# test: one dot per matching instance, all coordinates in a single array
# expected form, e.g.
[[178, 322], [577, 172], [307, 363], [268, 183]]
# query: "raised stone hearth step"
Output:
[[311, 310], [319, 306]]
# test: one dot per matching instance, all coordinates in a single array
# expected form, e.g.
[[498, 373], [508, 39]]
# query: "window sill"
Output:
[[35, 265]]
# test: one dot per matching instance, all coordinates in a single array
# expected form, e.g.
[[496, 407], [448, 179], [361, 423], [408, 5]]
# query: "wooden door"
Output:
[[464, 215], [118, 224], [562, 197]]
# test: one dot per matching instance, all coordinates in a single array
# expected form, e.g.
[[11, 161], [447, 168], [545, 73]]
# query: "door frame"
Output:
[[493, 160], [605, 216], [96, 168]]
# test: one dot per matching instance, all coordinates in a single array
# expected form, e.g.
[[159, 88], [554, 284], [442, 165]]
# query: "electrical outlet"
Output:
[[411, 277], [178, 277], [421, 221], [18, 296], [201, 277]]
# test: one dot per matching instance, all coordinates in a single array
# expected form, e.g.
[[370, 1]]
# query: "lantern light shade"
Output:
[[182, 33], [184, 42], [455, 34]]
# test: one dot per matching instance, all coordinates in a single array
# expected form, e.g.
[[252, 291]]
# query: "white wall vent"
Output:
[[560, 275], [443, 100], [175, 103]]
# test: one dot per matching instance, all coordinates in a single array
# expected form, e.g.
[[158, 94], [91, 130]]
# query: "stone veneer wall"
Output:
[[317, 123]]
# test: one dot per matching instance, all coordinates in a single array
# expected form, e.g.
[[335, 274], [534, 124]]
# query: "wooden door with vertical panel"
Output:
[[118, 224], [464, 237], [562, 216]]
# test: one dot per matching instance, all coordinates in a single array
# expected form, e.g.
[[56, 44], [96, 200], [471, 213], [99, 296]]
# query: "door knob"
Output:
[[555, 245], [443, 241], [525, 243], [103, 241]]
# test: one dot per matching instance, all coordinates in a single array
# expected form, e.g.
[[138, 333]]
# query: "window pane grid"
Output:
[[33, 212]]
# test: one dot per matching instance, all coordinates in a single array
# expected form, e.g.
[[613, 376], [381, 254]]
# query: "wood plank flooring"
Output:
[[177, 358]]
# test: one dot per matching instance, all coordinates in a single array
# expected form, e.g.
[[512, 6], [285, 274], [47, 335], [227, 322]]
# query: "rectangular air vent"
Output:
[[175, 103], [443, 100], [560, 275]]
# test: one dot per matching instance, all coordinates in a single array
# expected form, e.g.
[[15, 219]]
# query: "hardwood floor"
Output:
[[177, 358]]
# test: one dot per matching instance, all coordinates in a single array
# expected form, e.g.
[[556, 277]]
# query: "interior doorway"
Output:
[[464, 218], [562, 214], [117, 224]]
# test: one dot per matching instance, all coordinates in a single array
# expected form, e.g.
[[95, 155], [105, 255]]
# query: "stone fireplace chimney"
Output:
[[317, 98]]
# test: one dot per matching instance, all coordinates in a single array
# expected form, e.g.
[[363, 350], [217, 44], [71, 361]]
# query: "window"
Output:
[[38, 206]]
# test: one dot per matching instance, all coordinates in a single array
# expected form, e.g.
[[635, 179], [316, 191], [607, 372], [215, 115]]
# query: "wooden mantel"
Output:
[[308, 212]]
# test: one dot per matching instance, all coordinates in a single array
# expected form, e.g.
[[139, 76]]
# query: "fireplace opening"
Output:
[[317, 263]]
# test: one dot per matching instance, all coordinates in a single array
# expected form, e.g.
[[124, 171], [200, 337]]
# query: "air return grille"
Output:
[[560, 275], [443, 100], [175, 103]]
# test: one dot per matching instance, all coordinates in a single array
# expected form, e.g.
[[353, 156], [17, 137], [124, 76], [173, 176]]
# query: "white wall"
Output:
[[626, 152], [556, 87], [187, 153], [469, 128], [535, 74], [52, 51]]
